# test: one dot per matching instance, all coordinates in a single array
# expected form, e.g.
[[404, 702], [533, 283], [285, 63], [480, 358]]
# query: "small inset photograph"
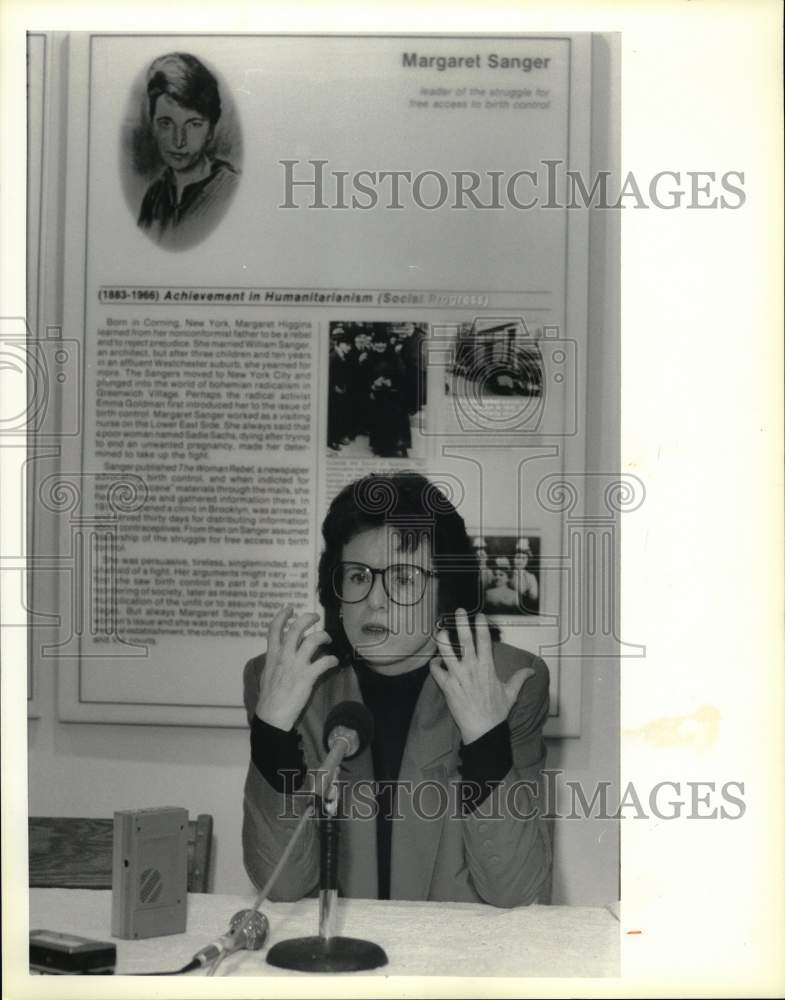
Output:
[[509, 573], [494, 358], [377, 396], [181, 149]]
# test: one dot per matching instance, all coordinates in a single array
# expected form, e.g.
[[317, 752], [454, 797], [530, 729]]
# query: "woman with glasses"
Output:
[[444, 804]]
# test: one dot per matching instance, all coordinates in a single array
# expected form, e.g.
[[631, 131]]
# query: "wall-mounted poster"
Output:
[[293, 261]]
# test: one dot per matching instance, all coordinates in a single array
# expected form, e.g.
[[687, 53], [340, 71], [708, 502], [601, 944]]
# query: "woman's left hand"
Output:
[[475, 696]]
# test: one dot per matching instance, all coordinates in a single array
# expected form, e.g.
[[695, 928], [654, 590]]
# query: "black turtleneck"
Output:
[[391, 701]]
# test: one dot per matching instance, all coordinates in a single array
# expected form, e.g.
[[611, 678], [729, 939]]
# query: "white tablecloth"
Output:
[[420, 939]]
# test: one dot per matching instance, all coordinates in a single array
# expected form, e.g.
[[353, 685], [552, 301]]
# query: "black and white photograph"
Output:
[[497, 357], [363, 613], [513, 374], [377, 389], [270, 523], [509, 573], [183, 140]]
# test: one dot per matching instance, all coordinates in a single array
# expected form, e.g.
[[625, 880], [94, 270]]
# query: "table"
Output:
[[420, 939]]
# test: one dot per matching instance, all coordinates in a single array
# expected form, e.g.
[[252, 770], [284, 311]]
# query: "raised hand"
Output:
[[476, 697], [289, 675]]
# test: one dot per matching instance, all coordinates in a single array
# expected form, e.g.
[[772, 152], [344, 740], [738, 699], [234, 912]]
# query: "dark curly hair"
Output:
[[186, 80], [417, 508]]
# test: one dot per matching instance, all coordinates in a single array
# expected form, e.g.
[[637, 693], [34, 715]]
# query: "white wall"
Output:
[[91, 770]]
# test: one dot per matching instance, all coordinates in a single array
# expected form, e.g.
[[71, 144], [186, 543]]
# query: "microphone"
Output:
[[248, 931], [349, 720], [348, 730]]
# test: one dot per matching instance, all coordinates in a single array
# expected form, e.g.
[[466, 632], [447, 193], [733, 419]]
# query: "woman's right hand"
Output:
[[289, 675]]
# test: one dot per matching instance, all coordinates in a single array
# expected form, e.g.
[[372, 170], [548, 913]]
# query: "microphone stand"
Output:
[[348, 729], [328, 870], [327, 952]]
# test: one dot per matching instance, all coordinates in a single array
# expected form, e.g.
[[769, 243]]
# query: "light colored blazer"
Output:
[[500, 854]]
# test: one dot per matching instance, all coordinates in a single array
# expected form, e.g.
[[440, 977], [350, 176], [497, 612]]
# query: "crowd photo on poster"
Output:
[[377, 392]]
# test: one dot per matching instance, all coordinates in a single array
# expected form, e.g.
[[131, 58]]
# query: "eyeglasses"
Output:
[[403, 583]]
